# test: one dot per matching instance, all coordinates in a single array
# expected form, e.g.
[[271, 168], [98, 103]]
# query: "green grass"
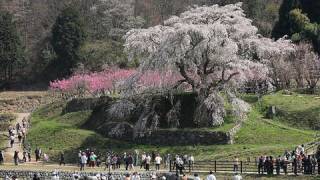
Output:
[[55, 132], [296, 110], [257, 130]]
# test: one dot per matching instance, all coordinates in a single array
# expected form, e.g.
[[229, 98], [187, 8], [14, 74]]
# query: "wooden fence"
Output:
[[228, 166]]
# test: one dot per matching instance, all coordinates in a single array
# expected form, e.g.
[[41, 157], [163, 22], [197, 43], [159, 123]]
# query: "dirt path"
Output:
[[8, 152]]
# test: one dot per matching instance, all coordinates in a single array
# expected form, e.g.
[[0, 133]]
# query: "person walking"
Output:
[[11, 139], [16, 158], [93, 159], [62, 159], [211, 176], [158, 160], [260, 165], [167, 160], [236, 164], [184, 177], [24, 156], [318, 162], [191, 162], [271, 165], [45, 158], [83, 161], [143, 160], [180, 165], [35, 177], [37, 153], [284, 165], [1, 157], [20, 137], [135, 176], [18, 127], [108, 162], [79, 157], [130, 162], [29, 154], [148, 162], [196, 177], [295, 166], [314, 164], [237, 177], [118, 162], [278, 165]]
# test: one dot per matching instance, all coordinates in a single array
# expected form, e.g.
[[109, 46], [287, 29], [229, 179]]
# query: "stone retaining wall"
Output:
[[181, 137], [26, 174]]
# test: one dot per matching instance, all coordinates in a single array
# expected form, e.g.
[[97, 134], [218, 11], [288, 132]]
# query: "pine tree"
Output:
[[11, 51], [68, 35], [282, 27], [312, 8]]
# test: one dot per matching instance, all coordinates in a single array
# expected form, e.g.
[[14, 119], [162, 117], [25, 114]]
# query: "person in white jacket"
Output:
[[197, 177], [237, 177], [135, 176], [211, 176], [55, 175]]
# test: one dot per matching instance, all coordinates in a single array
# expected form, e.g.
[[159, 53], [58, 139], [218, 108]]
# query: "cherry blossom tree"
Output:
[[306, 64], [210, 47]]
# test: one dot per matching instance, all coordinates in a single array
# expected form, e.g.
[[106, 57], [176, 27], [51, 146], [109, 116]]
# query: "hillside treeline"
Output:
[[104, 22]]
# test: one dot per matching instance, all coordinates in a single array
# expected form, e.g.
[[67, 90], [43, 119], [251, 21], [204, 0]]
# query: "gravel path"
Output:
[[8, 152]]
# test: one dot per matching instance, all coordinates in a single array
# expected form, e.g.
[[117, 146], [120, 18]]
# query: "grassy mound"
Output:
[[296, 110], [55, 132]]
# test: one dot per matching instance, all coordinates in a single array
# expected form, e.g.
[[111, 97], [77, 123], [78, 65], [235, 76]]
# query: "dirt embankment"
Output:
[[21, 102]]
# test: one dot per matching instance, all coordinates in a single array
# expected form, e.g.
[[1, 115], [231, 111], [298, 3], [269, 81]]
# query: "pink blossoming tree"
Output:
[[111, 81]]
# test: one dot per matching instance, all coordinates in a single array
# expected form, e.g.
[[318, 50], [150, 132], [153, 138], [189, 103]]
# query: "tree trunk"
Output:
[[210, 110]]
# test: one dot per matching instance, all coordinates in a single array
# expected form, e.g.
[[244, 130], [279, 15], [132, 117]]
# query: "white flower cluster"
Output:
[[210, 47]]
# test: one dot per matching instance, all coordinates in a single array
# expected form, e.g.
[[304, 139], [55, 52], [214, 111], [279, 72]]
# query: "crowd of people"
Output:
[[297, 159], [19, 131], [131, 161], [18, 134], [56, 175]]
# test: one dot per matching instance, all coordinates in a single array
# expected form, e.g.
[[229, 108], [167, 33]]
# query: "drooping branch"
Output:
[[184, 74]]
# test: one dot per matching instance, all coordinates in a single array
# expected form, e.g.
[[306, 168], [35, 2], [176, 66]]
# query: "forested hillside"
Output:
[[105, 23]]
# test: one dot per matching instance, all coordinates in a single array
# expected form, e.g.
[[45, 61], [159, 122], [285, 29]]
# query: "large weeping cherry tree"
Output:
[[210, 47]]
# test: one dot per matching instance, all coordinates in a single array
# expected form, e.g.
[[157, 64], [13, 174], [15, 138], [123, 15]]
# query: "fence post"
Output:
[[241, 167], [170, 168], [189, 166], [215, 166]]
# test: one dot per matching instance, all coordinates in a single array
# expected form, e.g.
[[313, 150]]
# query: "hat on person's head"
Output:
[[210, 172]]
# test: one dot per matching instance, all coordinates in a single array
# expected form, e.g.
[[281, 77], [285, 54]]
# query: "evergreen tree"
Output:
[[68, 35], [300, 20], [11, 51], [312, 8], [282, 27]]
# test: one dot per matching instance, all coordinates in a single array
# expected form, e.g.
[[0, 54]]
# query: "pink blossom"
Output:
[[110, 79]]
